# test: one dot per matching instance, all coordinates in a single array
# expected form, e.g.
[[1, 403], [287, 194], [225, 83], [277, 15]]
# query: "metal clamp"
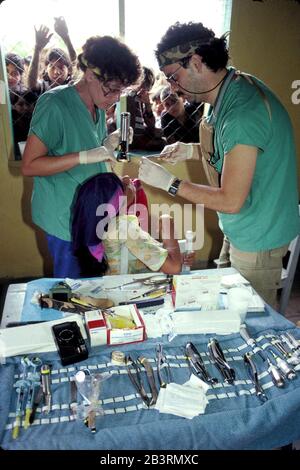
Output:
[[218, 358], [162, 365], [134, 373], [151, 379], [253, 374], [197, 364]]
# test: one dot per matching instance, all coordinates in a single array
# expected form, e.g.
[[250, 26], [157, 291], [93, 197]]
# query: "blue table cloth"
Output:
[[234, 418]]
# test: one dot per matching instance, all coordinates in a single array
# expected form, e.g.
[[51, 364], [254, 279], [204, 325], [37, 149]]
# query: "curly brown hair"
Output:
[[115, 60], [214, 51]]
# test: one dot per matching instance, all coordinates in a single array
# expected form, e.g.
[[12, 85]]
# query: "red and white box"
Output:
[[101, 332], [95, 327]]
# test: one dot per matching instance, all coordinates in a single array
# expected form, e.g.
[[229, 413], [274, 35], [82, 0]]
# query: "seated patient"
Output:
[[109, 241]]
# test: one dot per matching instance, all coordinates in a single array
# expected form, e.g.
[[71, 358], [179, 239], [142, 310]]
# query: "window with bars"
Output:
[[23, 79]]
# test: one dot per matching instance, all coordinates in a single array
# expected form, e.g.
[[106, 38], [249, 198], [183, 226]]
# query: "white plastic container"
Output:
[[189, 238], [239, 299]]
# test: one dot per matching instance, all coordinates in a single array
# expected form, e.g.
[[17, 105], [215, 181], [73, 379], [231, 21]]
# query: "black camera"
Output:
[[70, 343]]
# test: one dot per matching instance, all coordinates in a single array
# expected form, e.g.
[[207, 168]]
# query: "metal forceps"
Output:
[[197, 364], [152, 280], [134, 373], [162, 365], [217, 356], [253, 374]]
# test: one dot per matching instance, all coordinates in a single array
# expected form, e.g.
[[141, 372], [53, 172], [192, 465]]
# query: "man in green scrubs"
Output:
[[67, 141], [247, 149]]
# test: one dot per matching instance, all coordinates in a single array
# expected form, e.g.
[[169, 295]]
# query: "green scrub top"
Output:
[[269, 217], [63, 123]]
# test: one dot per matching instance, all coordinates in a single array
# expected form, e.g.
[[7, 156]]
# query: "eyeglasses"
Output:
[[183, 64], [108, 91], [171, 78]]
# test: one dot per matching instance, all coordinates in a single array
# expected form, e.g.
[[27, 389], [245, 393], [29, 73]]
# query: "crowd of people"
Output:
[[244, 142], [45, 69], [28, 77]]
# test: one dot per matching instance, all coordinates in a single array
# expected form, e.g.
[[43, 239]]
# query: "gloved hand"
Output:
[[99, 154], [155, 175], [111, 142], [177, 152]]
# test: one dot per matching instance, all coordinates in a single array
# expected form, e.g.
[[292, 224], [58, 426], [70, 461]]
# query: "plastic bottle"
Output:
[[189, 237]]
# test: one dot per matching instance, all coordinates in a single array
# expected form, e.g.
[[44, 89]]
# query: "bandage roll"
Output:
[[118, 358]]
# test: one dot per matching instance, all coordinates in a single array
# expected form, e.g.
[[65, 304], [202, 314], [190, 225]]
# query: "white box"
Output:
[[100, 331], [196, 292], [123, 336]]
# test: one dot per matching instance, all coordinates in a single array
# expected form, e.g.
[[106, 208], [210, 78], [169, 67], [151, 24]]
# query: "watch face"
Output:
[[174, 187]]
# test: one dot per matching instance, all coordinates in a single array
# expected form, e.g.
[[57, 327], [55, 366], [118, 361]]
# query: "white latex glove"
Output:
[[155, 175], [177, 152], [111, 142], [99, 154]]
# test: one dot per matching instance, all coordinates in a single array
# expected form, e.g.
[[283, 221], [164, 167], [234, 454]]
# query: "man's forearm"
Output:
[[212, 198]]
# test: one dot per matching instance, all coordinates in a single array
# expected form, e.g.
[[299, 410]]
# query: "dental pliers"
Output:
[[218, 358], [197, 364], [134, 373], [162, 365], [253, 374]]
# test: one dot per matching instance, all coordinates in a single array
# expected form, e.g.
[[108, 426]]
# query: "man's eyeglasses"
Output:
[[171, 78]]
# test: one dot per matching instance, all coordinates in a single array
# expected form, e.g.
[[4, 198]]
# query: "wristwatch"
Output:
[[174, 187]]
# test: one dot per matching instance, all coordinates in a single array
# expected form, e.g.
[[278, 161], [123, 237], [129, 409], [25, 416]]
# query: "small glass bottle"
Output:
[[189, 238]]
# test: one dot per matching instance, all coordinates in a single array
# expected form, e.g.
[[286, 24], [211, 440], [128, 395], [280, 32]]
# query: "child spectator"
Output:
[[180, 120], [146, 135], [15, 70], [58, 65]]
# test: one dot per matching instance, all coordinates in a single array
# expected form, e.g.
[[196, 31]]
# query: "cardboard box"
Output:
[[196, 292], [95, 327], [100, 330]]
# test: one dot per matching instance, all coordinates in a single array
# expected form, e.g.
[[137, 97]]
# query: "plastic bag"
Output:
[[89, 387]]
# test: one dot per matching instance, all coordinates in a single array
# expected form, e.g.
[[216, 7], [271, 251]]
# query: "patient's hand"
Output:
[[188, 258]]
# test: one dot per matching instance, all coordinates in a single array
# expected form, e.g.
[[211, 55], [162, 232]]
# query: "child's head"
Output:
[[58, 67], [157, 105], [173, 104], [25, 102], [14, 69]]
